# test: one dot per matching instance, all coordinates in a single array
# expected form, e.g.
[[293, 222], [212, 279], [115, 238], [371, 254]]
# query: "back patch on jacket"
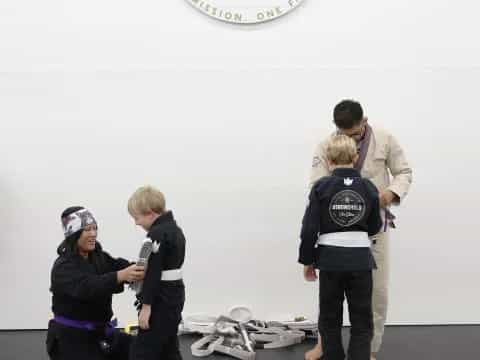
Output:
[[347, 208]]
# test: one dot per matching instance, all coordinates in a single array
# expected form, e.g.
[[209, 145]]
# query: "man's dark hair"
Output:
[[347, 114]]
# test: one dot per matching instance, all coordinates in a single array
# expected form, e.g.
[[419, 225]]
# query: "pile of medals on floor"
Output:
[[238, 336]]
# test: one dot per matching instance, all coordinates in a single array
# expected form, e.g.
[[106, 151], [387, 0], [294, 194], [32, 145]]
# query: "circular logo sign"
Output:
[[347, 208], [245, 11]]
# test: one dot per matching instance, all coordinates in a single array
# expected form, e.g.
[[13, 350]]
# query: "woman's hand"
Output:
[[144, 317], [131, 274]]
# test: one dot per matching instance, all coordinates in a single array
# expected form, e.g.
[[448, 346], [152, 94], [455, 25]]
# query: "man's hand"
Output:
[[144, 317], [131, 274], [309, 273], [386, 198]]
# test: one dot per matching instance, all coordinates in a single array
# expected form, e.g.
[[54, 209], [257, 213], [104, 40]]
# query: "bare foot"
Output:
[[315, 353], [373, 356]]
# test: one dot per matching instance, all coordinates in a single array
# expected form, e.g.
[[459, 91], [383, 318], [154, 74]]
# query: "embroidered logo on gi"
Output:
[[347, 208], [155, 246], [348, 181]]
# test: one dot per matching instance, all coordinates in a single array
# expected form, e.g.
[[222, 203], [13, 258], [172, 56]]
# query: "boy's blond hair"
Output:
[[341, 150], [146, 199]]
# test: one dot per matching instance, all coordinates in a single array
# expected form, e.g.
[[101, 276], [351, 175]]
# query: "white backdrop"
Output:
[[98, 98]]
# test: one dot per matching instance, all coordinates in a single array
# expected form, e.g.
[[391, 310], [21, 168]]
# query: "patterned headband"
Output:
[[77, 221]]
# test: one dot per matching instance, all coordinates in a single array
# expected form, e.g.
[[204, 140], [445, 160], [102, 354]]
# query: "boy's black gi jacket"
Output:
[[170, 256], [342, 202]]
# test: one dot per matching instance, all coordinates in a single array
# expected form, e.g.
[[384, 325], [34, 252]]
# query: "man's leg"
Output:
[[380, 288], [359, 298]]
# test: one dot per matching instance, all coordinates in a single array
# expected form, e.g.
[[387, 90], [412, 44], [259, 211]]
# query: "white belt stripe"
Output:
[[172, 275], [345, 239]]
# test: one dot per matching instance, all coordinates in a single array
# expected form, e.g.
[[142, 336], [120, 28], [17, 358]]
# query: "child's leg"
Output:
[[161, 339], [121, 347], [146, 346], [331, 314], [316, 352], [359, 298], [171, 350]]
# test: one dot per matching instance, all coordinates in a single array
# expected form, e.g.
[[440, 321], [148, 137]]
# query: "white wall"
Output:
[[97, 98]]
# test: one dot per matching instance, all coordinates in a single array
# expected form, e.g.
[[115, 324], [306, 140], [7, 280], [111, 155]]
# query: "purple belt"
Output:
[[87, 325]]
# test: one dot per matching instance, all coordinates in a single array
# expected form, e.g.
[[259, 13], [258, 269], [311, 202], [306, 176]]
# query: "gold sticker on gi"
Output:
[[245, 11], [347, 208]]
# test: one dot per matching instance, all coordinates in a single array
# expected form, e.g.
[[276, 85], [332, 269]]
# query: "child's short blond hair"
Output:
[[341, 150], [146, 199]]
